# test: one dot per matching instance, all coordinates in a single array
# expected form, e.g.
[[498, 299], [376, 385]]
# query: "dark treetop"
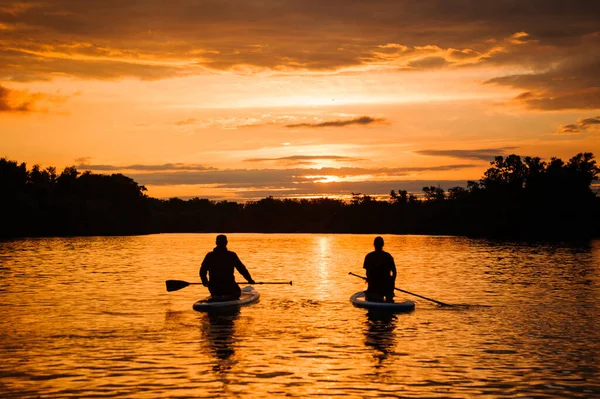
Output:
[[517, 198]]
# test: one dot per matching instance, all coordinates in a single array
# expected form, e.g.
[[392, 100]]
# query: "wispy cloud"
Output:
[[16, 100], [487, 154], [257, 183], [186, 122], [363, 120], [150, 168], [572, 83], [234, 122], [277, 177], [305, 158], [582, 125]]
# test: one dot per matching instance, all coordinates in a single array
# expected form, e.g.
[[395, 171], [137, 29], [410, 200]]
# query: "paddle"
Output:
[[407, 292], [175, 285]]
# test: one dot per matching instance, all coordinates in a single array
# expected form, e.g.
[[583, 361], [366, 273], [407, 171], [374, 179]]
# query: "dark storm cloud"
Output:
[[487, 154], [363, 120]]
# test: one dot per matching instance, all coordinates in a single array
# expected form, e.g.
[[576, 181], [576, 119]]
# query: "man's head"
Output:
[[378, 243], [221, 240]]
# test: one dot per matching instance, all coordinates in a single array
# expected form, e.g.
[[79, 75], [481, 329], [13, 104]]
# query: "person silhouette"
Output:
[[217, 272], [381, 274]]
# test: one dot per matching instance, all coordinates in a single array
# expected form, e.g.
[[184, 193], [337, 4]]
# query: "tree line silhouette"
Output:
[[516, 198]]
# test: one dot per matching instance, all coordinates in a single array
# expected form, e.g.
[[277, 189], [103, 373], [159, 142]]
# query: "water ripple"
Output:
[[89, 317]]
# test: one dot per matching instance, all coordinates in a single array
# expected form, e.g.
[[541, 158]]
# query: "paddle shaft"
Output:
[[408, 292], [261, 282], [175, 285], [271, 282]]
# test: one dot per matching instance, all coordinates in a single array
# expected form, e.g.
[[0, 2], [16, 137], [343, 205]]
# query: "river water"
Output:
[[90, 317]]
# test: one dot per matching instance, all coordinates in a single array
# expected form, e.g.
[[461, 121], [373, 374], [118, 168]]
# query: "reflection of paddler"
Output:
[[379, 333], [218, 330]]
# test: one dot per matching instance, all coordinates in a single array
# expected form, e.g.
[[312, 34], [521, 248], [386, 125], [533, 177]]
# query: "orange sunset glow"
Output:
[[240, 100]]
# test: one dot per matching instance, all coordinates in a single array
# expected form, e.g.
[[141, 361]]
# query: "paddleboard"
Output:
[[249, 295], [359, 300]]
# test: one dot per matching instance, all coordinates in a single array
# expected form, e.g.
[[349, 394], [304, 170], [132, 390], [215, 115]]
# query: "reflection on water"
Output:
[[379, 333], [218, 336], [90, 317]]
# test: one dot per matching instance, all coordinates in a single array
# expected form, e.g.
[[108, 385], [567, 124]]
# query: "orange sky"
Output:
[[239, 100]]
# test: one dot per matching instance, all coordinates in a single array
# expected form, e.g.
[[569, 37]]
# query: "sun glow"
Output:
[[323, 179]]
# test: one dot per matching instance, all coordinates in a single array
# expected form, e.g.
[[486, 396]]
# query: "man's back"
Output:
[[379, 264], [220, 264], [218, 267]]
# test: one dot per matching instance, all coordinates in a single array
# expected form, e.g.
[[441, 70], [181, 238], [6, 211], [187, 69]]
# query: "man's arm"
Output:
[[204, 270], [366, 266], [242, 269], [393, 267]]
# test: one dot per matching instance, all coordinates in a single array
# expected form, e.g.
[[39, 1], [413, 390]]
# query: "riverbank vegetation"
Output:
[[517, 198]]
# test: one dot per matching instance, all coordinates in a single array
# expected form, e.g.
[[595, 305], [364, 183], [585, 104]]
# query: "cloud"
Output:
[[573, 83], [429, 63], [23, 65], [277, 178], [163, 167], [487, 154], [258, 183], [296, 159], [7, 104], [154, 40], [465, 54], [582, 125], [189, 121], [587, 122], [234, 122], [363, 120], [22, 101]]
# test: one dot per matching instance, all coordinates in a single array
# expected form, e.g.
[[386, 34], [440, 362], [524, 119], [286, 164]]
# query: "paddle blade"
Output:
[[174, 285]]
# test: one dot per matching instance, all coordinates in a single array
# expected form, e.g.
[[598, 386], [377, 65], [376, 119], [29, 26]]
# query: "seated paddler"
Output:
[[381, 274], [217, 272]]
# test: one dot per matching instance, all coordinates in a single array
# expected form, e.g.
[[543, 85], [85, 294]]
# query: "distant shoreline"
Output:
[[516, 199]]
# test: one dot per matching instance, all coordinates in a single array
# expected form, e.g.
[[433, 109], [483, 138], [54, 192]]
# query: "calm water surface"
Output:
[[90, 317]]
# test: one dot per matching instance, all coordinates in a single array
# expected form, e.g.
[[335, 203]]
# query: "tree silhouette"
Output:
[[519, 198]]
